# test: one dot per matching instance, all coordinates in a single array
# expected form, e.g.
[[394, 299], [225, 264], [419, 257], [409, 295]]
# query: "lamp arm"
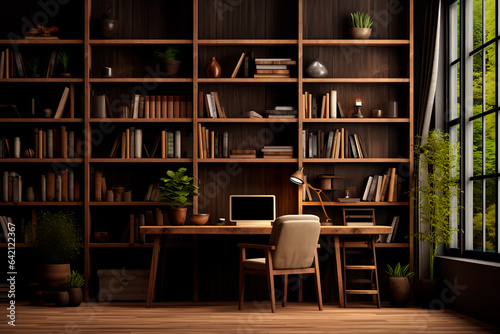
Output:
[[319, 192]]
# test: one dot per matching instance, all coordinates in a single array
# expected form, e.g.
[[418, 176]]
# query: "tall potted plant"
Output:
[[177, 189], [439, 162], [172, 64], [57, 242]]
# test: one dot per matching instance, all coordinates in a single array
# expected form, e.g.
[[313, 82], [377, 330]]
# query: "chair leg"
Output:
[[285, 290], [241, 299], [317, 282], [270, 281]]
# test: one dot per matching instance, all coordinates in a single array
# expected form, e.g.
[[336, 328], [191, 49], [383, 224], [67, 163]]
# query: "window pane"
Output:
[[490, 77], [454, 91], [490, 214], [478, 146], [490, 149], [477, 21], [454, 31], [455, 200], [478, 215], [477, 85], [490, 22]]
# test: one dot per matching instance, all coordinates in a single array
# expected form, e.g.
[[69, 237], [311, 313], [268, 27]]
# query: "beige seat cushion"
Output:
[[255, 264]]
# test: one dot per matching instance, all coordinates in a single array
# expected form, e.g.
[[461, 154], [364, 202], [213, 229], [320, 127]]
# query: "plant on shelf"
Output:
[[57, 242], [75, 283], [399, 284], [178, 189], [435, 191], [360, 25], [64, 59], [34, 65], [172, 63]]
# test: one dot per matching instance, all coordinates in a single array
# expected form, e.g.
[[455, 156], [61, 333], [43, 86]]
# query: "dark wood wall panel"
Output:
[[359, 61], [237, 19], [390, 18], [157, 19]]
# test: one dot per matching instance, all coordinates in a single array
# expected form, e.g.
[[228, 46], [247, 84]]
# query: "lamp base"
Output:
[[326, 224], [357, 113]]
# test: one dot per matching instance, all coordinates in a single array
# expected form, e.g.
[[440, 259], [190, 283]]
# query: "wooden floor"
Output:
[[224, 317]]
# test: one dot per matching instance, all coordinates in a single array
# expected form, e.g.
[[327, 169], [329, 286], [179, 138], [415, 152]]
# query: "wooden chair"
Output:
[[292, 249]]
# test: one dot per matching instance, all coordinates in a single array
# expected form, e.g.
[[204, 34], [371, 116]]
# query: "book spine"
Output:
[[158, 111], [164, 106], [170, 144], [17, 147], [5, 186], [97, 186], [178, 142], [177, 106], [146, 106], [71, 186], [51, 186], [170, 106], [71, 144], [225, 145], [123, 153], [152, 106], [183, 106], [64, 142], [58, 188], [138, 143], [43, 188]]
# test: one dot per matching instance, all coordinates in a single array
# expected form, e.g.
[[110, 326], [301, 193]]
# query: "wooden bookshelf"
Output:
[[376, 70]]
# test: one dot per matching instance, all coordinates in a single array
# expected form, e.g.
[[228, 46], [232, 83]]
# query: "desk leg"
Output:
[[154, 267], [340, 283]]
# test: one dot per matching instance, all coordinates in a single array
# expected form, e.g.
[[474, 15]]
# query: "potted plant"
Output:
[[57, 242], [172, 64], [360, 25], [399, 284], [75, 283], [64, 59], [439, 161], [177, 189], [34, 65]]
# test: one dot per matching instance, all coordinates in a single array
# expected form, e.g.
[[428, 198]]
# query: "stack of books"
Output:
[[243, 154], [282, 112], [274, 152], [273, 67]]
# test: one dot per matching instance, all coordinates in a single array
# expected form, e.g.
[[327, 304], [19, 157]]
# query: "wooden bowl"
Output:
[[102, 236], [199, 218]]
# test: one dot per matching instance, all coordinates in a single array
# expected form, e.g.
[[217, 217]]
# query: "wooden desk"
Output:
[[336, 231]]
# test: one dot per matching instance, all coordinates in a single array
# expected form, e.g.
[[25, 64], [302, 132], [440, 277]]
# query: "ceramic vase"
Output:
[[75, 296], [62, 298], [399, 291], [213, 69], [316, 70]]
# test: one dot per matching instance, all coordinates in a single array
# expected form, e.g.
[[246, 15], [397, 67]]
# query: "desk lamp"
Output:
[[298, 178]]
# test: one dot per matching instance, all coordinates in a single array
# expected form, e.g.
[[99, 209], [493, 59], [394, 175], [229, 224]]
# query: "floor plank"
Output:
[[224, 317]]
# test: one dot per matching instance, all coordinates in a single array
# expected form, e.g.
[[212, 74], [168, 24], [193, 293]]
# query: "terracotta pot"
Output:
[[399, 291], [213, 69], [199, 218], [62, 298], [177, 216], [75, 296], [53, 277], [172, 68], [360, 33], [426, 291]]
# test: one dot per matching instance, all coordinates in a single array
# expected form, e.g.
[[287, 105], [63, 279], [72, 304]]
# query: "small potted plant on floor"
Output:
[[177, 189], [172, 64], [438, 185], [57, 242], [75, 283], [399, 284], [360, 25]]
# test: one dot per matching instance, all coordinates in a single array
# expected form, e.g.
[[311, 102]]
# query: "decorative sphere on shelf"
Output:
[[316, 70]]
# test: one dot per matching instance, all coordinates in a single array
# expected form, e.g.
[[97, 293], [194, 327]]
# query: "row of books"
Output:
[[22, 229], [382, 188], [273, 67], [102, 192], [212, 144], [61, 187], [13, 65], [391, 237], [336, 144], [169, 144], [213, 107], [325, 106]]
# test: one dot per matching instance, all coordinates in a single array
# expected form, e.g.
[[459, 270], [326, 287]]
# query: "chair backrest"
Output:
[[295, 238]]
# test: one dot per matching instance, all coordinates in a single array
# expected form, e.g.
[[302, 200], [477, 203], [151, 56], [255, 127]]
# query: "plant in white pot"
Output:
[[177, 189], [57, 242], [360, 25], [399, 284], [172, 64], [438, 187]]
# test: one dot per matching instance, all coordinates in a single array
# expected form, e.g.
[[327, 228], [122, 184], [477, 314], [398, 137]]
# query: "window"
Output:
[[473, 108]]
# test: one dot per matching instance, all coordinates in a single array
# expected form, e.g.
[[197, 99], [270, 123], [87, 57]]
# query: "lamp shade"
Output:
[[298, 177]]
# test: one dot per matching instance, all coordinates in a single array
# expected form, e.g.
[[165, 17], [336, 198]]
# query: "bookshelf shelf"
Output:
[[141, 120], [41, 160], [141, 160], [41, 80], [120, 245], [356, 120], [357, 160], [247, 80], [42, 120], [356, 80], [136, 203], [246, 42], [247, 160], [356, 204], [355, 42], [247, 120], [139, 80], [41, 204], [42, 41], [126, 42]]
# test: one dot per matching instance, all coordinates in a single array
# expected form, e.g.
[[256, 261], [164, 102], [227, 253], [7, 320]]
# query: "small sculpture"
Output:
[[41, 31]]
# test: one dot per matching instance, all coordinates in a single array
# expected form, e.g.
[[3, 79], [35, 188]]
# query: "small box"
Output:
[[123, 284]]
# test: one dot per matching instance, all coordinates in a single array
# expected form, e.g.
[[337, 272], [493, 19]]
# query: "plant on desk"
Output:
[[178, 189]]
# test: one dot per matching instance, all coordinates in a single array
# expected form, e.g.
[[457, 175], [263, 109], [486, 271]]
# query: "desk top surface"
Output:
[[334, 230]]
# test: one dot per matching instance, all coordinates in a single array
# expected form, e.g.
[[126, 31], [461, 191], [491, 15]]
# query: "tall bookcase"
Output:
[[377, 70]]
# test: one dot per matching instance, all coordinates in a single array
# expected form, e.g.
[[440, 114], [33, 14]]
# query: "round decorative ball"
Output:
[[29, 153], [316, 70]]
